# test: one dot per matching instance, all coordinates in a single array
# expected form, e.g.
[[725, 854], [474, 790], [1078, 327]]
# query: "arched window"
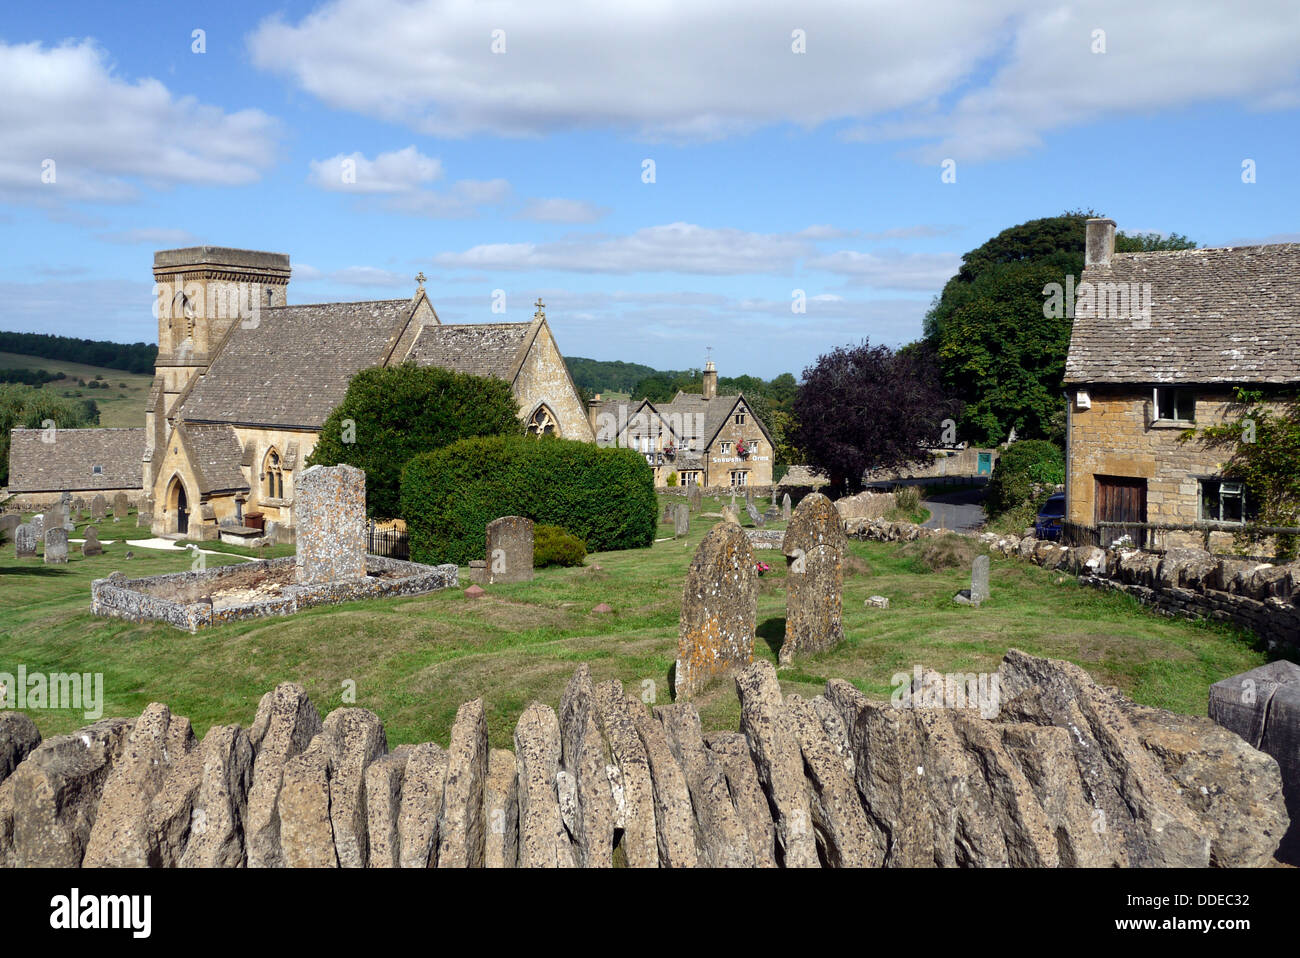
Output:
[[273, 475], [543, 422]]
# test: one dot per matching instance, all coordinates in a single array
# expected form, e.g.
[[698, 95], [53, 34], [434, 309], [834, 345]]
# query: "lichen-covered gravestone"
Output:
[[56, 545], [330, 508], [98, 507], [681, 520], [91, 546], [694, 498], [731, 514], [719, 603], [25, 541], [785, 507], [754, 515], [814, 554], [121, 504], [510, 550]]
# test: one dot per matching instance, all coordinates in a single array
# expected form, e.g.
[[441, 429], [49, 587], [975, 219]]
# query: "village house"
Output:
[[1159, 342], [699, 439], [244, 382], [46, 463]]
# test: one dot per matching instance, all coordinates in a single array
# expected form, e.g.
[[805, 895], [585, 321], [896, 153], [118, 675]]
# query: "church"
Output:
[[244, 382]]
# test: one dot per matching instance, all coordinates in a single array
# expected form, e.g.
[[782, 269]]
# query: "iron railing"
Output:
[[393, 545]]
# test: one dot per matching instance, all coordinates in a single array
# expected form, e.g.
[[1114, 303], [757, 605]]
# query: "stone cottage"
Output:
[[1159, 342], [244, 382], [45, 463], [702, 438]]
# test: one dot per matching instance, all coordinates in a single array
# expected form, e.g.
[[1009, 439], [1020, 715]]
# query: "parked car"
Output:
[[1050, 518]]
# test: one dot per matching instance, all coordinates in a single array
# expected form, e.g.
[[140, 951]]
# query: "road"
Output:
[[959, 511]]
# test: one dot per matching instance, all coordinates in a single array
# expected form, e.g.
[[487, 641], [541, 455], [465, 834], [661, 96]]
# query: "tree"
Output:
[[996, 349], [391, 414], [866, 407]]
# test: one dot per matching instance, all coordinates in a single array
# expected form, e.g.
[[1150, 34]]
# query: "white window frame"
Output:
[[739, 477], [1233, 488], [1173, 393], [724, 446]]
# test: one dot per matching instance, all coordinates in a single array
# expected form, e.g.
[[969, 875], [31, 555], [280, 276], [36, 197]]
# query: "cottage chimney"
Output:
[[710, 380], [593, 412], [1100, 243]]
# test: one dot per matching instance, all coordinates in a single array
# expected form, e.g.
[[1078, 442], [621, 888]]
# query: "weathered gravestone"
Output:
[[98, 507], [979, 584], [681, 520], [8, 523], [719, 603], [668, 514], [330, 508], [694, 498], [91, 546], [754, 515], [144, 513], [731, 514], [785, 507], [121, 505], [510, 549], [38, 525], [814, 554], [25, 541], [56, 545]]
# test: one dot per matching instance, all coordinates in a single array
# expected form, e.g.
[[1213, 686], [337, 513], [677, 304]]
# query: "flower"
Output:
[[762, 567]]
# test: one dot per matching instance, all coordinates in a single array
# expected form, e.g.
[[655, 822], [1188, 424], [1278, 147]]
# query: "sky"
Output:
[[669, 177]]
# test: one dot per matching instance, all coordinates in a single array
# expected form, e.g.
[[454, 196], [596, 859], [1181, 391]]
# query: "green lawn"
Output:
[[415, 660]]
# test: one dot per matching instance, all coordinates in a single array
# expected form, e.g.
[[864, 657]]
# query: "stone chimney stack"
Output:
[[710, 380], [1100, 243]]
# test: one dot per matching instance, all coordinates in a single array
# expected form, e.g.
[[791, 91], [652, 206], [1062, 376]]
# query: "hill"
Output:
[[120, 396]]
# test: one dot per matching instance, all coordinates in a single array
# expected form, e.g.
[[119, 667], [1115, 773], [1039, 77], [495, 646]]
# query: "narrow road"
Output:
[[959, 511]]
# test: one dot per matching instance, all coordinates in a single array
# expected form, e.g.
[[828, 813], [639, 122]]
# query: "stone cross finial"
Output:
[[541, 309], [420, 278]]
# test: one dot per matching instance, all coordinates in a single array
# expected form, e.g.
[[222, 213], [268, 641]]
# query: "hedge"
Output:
[[1021, 467], [553, 546], [605, 497]]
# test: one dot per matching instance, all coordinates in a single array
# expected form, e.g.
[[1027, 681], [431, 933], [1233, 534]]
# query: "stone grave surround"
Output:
[[804, 782], [719, 605], [330, 509], [813, 546], [509, 555]]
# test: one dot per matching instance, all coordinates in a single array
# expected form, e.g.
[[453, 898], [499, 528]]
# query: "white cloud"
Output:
[[558, 210], [396, 172], [160, 237], [890, 269], [105, 134], [968, 80]]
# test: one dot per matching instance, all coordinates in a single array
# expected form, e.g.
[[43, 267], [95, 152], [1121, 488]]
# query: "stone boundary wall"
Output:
[[829, 781]]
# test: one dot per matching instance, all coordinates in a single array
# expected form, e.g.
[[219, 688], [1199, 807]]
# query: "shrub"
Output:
[[553, 546], [941, 552], [672, 479], [907, 498], [1025, 472], [605, 497]]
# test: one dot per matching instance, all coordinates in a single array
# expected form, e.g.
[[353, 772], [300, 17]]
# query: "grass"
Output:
[[117, 406], [414, 660]]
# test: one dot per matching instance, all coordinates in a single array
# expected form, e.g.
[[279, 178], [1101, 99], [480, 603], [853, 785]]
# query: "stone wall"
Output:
[[829, 781]]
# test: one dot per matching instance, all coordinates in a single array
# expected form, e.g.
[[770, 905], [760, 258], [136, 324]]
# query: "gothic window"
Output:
[[273, 475], [543, 422]]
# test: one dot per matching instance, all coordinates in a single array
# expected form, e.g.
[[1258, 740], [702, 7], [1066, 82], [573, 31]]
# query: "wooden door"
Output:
[[1121, 500]]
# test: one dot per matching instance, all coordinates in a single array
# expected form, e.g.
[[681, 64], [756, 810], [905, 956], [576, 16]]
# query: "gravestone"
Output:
[[681, 520], [668, 514], [510, 550], [8, 523], [98, 507], [785, 507], [65, 500], [814, 596], [755, 516], [774, 495], [91, 546], [731, 514], [719, 603], [694, 498], [979, 584], [25, 541], [121, 505], [733, 496], [330, 508], [38, 524], [56, 545]]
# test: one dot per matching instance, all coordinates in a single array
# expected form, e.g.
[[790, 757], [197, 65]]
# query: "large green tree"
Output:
[[996, 349], [391, 414]]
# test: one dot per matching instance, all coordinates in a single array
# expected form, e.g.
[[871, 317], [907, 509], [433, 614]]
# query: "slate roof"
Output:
[[216, 455], [481, 349], [689, 416], [293, 368], [67, 464], [1229, 315]]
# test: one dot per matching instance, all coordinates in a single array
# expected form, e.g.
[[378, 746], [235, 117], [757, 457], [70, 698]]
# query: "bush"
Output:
[[907, 498], [671, 480], [553, 546], [605, 497], [1025, 472], [941, 552]]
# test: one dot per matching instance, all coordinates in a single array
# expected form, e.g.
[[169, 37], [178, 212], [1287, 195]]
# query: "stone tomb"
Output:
[[330, 508], [25, 541], [719, 603], [509, 556], [91, 546], [56, 546], [814, 554]]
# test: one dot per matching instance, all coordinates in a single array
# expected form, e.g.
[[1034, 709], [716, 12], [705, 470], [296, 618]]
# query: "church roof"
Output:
[[1229, 315], [480, 349], [215, 455], [68, 463], [293, 367]]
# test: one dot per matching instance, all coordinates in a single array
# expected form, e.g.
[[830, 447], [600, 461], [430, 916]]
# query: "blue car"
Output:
[[1050, 518]]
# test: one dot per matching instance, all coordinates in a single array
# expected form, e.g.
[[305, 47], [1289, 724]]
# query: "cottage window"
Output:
[[1175, 405], [739, 477], [725, 447], [1223, 501], [740, 419]]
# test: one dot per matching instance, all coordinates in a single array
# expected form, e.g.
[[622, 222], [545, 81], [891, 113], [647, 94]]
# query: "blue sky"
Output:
[[522, 170]]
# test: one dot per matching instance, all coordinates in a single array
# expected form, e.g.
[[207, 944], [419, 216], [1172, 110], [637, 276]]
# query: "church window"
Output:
[[273, 475], [543, 423]]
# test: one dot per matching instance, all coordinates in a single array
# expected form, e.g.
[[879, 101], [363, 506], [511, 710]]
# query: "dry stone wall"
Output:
[[1066, 773]]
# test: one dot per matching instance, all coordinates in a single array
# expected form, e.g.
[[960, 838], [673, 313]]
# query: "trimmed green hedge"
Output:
[[604, 496], [553, 546], [1021, 466]]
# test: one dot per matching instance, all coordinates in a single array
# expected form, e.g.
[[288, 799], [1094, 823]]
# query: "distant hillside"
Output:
[[128, 357], [600, 376]]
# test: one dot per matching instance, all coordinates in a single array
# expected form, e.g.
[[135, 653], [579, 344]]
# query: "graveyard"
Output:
[[415, 659]]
